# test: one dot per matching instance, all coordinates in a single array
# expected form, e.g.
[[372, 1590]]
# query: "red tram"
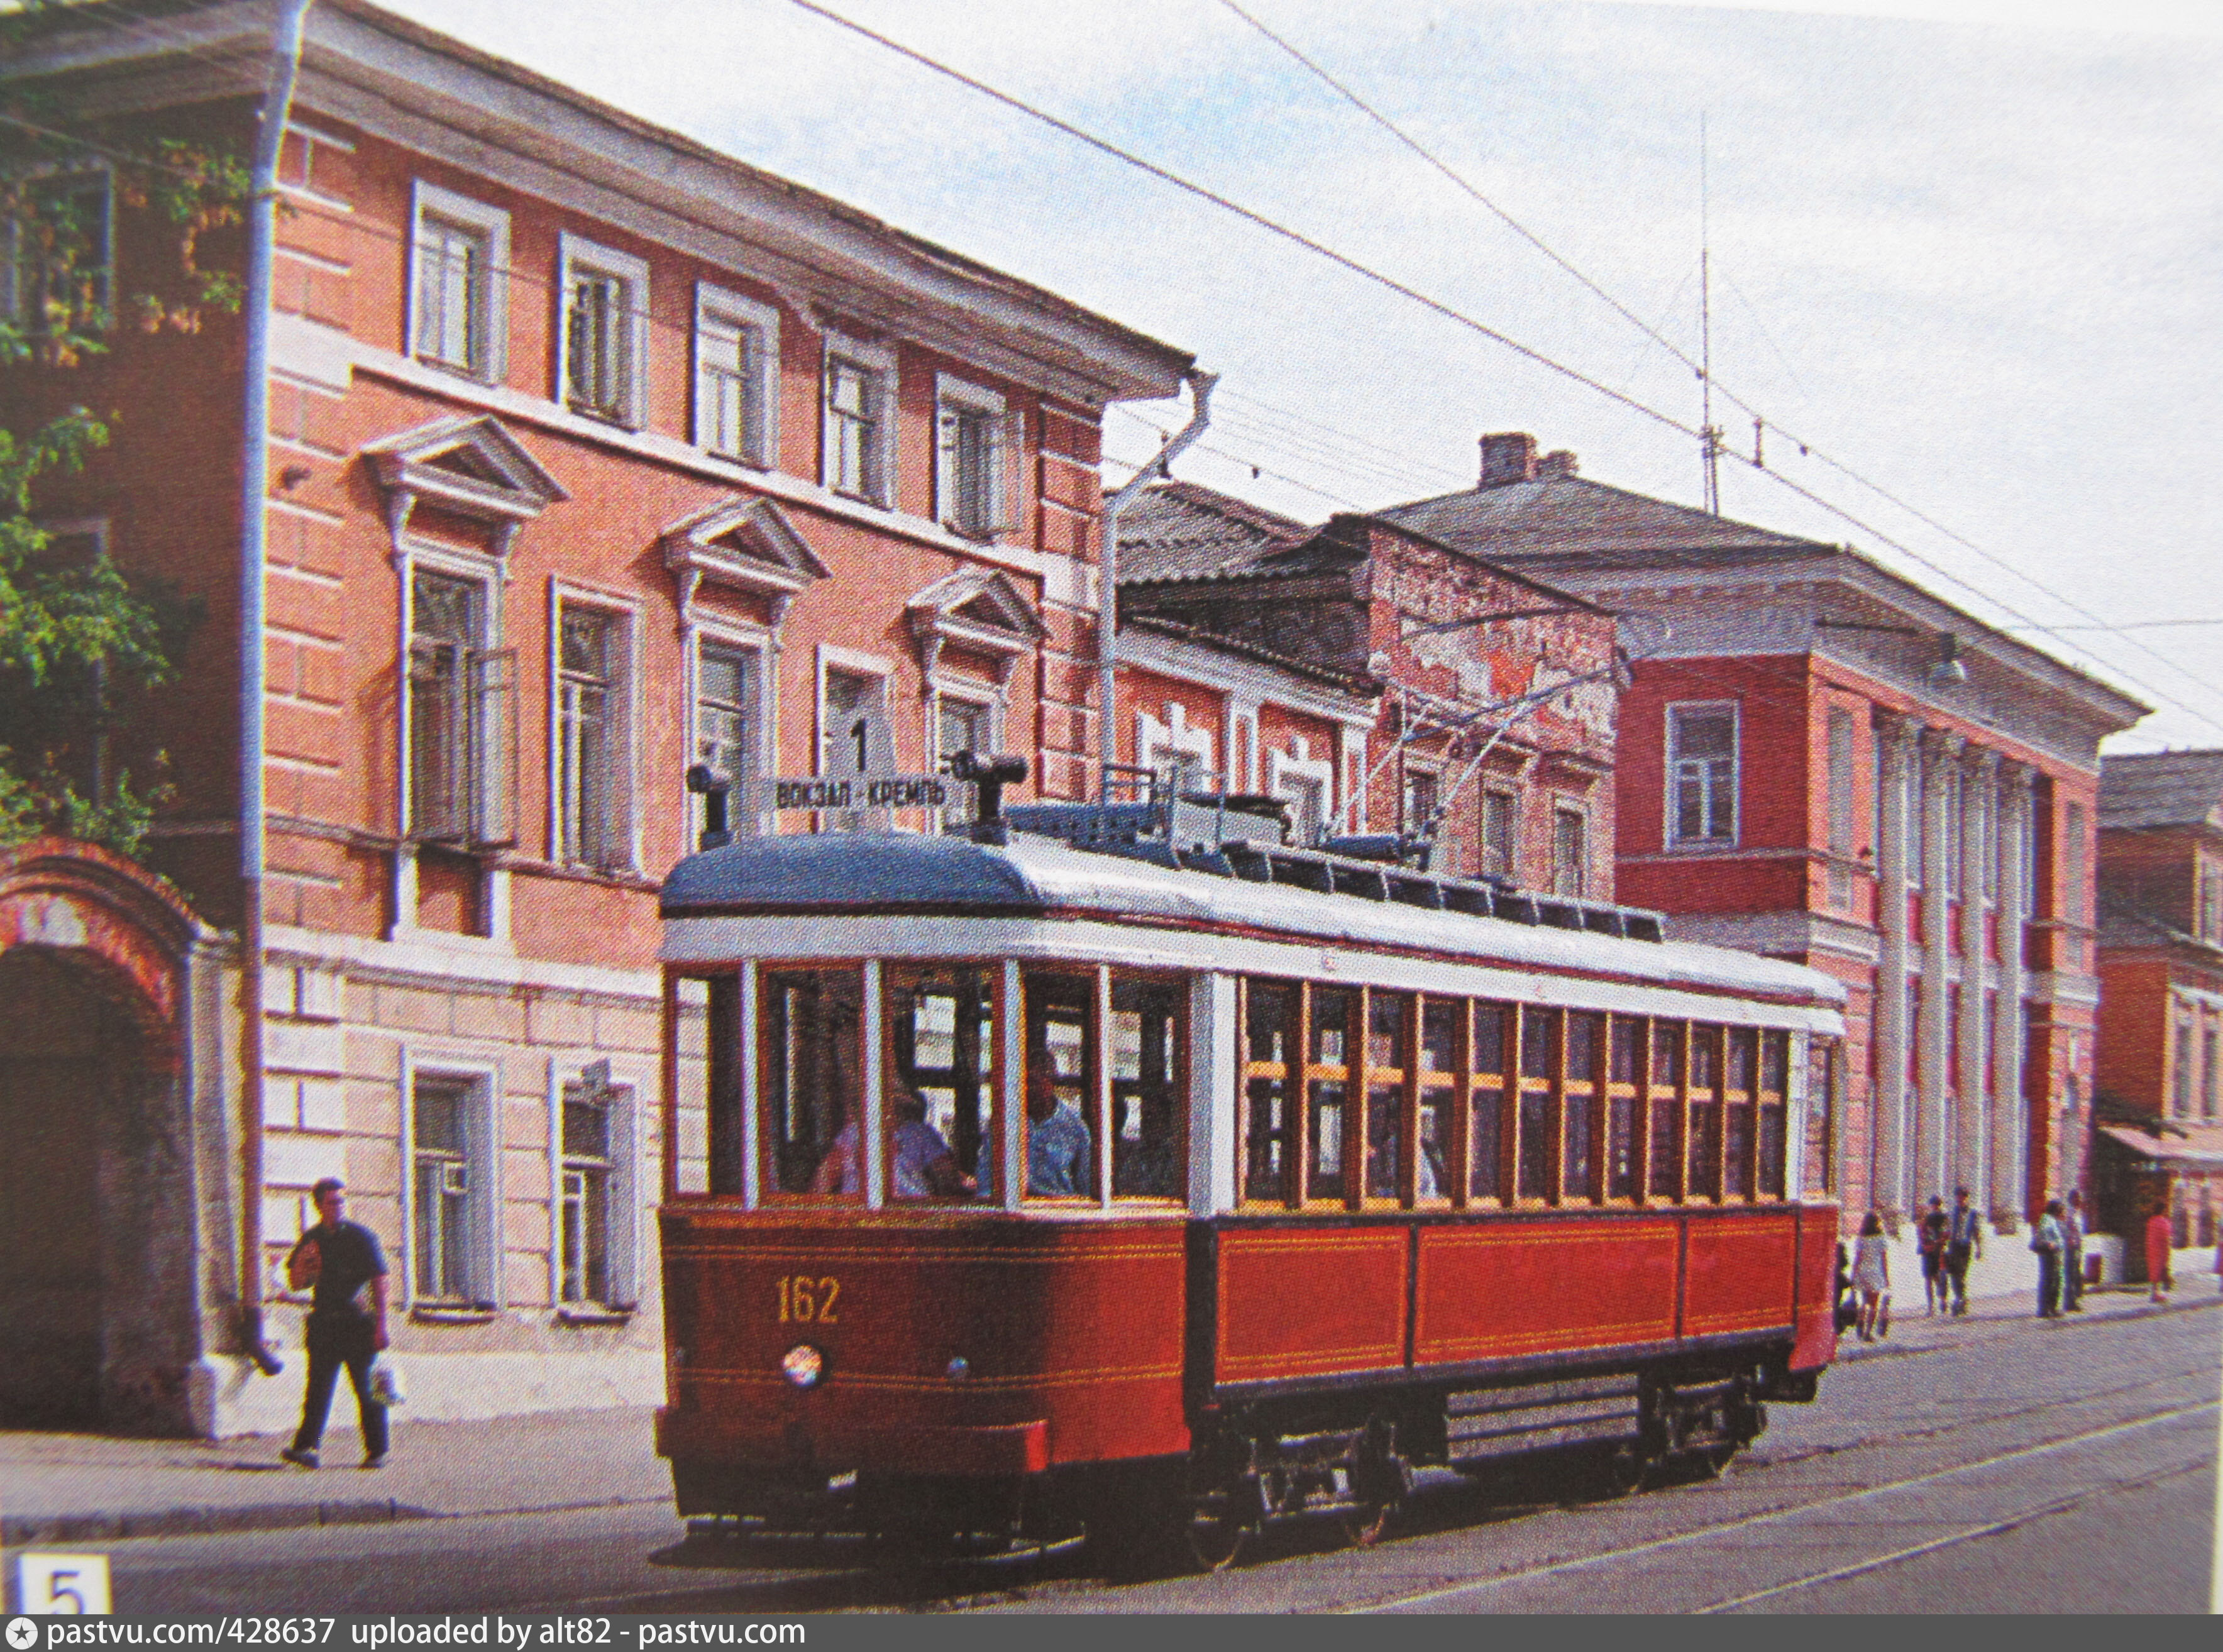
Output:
[[1164, 1180]]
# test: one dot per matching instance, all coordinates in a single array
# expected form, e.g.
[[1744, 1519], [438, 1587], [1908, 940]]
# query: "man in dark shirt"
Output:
[[343, 1260]]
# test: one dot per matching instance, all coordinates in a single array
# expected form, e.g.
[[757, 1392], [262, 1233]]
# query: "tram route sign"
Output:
[[848, 793]]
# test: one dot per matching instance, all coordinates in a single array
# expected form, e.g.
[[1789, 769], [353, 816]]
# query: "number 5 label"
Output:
[[65, 1585]]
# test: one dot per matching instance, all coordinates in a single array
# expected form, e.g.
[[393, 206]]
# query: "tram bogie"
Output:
[[1013, 1191]]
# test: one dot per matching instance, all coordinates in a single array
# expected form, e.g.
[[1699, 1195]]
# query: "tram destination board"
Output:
[[783, 793]]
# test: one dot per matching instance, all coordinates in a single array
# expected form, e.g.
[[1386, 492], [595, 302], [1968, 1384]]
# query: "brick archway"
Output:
[[99, 1308]]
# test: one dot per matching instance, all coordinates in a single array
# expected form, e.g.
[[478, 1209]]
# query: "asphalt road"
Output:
[[2025, 1466]]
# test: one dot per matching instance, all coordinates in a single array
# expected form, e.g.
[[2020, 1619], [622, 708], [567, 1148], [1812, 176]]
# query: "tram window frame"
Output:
[[1267, 1185], [900, 1070], [1174, 989], [1495, 1088], [1771, 1117], [1074, 992], [704, 1134], [773, 1135], [1703, 1131], [1625, 1097], [1387, 1089], [1582, 1106], [1739, 1109], [1439, 1089], [1318, 1076], [1667, 1075], [1541, 1044]]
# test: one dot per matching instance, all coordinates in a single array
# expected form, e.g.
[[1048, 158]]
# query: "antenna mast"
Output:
[[1709, 439]]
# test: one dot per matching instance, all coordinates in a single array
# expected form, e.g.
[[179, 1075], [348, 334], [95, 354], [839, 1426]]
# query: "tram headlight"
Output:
[[802, 1366]]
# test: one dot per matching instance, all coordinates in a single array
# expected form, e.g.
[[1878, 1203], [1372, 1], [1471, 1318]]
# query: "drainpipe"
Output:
[[1107, 634], [254, 482]]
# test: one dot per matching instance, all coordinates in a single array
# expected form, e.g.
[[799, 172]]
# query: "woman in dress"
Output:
[[1871, 1274]]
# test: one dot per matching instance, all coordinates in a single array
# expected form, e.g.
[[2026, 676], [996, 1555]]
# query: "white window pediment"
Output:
[[976, 609], [748, 543], [471, 466]]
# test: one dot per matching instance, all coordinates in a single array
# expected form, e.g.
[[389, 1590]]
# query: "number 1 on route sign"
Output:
[[61, 1585]]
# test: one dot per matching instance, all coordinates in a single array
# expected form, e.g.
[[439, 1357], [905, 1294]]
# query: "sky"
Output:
[[1973, 265]]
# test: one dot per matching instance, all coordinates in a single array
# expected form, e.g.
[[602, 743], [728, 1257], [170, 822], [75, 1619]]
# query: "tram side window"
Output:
[[810, 1049], [1269, 1031], [1625, 1065], [705, 1030], [1665, 1158], [1775, 1074], [1539, 1038], [1388, 1019], [1486, 1174], [1440, 1025], [1821, 1106], [1736, 1114], [1061, 1128], [1327, 1090], [1148, 1023], [942, 1030], [1579, 1104], [1704, 1175]]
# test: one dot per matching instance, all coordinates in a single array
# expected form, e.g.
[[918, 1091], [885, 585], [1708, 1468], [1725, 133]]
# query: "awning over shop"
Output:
[[2173, 1147]]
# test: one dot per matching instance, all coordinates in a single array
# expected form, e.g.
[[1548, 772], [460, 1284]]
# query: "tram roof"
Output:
[[827, 874]]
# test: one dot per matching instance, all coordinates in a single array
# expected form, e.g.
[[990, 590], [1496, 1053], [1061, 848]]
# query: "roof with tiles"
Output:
[[1178, 531], [1566, 515], [2161, 788]]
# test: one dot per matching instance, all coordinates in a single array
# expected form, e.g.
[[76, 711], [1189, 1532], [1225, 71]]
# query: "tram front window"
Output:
[[941, 1024], [811, 1057]]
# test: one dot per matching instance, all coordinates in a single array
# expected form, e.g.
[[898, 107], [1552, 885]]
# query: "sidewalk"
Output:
[[57, 1488], [1989, 1319]]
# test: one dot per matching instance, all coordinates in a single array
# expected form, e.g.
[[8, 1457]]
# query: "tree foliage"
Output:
[[80, 641]]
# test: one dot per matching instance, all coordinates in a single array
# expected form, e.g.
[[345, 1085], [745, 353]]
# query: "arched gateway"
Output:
[[103, 1315]]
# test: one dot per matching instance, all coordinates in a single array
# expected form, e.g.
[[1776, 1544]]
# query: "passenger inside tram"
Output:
[[1060, 1150]]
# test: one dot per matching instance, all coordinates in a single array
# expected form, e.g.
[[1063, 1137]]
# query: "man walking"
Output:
[[2046, 1241], [1964, 1240], [2072, 1255], [343, 1260], [1931, 1244]]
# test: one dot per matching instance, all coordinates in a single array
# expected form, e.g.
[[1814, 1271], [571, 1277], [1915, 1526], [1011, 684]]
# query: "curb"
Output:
[[1991, 1330], [212, 1519]]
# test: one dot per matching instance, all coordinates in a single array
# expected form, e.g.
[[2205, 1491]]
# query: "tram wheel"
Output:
[[1225, 1508], [1380, 1480]]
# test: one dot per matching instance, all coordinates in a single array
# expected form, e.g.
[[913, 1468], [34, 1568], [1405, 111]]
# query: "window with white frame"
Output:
[[854, 737], [450, 1151], [1422, 786], [588, 1219], [1307, 784], [59, 272], [1570, 850], [971, 458], [726, 713], [962, 726], [1702, 773], [859, 423], [1500, 813], [459, 262], [592, 736], [462, 715], [602, 368], [736, 376]]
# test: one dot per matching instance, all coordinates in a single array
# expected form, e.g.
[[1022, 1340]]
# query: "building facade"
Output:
[[1820, 760], [1489, 724], [594, 454], [2160, 1139]]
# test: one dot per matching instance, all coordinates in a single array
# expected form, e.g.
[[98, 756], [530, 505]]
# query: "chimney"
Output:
[[1557, 466], [1507, 456]]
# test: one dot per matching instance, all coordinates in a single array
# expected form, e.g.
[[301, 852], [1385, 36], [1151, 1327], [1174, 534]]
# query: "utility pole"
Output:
[[1709, 439]]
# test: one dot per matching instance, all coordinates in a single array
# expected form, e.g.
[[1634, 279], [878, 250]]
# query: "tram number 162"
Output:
[[803, 1300]]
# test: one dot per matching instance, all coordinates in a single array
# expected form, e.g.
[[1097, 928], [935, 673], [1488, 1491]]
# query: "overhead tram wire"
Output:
[[1272, 227], [1805, 448]]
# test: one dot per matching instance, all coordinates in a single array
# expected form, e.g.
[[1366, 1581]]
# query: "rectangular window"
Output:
[[457, 317], [1497, 834], [1841, 781], [461, 712], [1579, 1107], [590, 1121], [1625, 1072], [1492, 1082], [2076, 903], [1570, 851], [736, 376], [590, 739], [1149, 1144], [2208, 1074], [2181, 1072], [1270, 1021], [972, 458], [1737, 1107], [1702, 1178], [1064, 1123], [1327, 1088], [810, 1062], [442, 1121], [1702, 773], [604, 345], [58, 272], [1422, 786], [2211, 905], [725, 713], [941, 1024], [1821, 1115], [1664, 1157], [1539, 1053], [1389, 1026], [962, 726], [859, 433]]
